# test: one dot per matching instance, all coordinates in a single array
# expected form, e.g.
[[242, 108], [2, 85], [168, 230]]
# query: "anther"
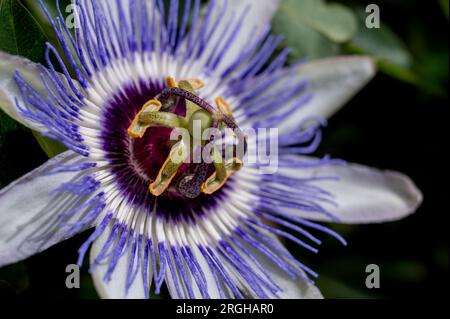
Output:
[[169, 169], [224, 107], [137, 128], [196, 84]]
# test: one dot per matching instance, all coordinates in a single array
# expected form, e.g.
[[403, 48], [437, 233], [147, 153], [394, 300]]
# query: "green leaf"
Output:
[[307, 42], [19, 152], [333, 20], [392, 56], [444, 6], [313, 28], [50, 147], [399, 72], [404, 271], [38, 13], [20, 33], [335, 289], [6, 124], [14, 278], [409, 76], [382, 43]]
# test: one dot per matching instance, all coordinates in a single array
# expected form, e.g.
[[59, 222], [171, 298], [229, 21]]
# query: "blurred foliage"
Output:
[[313, 28], [49, 146], [20, 33], [19, 152], [316, 29], [381, 43], [24, 31], [13, 280], [444, 5], [412, 52], [7, 125]]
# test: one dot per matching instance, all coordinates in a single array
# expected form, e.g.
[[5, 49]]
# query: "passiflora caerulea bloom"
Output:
[[132, 72]]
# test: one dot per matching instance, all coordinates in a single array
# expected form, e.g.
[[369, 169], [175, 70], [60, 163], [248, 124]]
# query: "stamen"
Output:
[[159, 111], [170, 168], [196, 84], [224, 107], [191, 108], [171, 82], [163, 119], [220, 176], [137, 128]]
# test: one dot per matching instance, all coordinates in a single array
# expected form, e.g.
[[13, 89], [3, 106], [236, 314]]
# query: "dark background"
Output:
[[391, 124]]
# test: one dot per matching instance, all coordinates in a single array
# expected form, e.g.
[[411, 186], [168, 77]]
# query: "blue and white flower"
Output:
[[220, 245]]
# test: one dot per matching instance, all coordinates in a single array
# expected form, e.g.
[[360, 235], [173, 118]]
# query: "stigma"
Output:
[[180, 172]]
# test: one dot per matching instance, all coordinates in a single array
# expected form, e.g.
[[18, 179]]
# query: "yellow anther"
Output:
[[224, 107], [136, 130], [170, 168], [195, 83], [171, 82], [214, 183]]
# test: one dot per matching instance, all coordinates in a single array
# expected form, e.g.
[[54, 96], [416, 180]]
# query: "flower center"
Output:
[[195, 164]]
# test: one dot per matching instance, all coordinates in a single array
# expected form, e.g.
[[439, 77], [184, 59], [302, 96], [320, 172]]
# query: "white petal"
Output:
[[298, 289], [26, 207], [332, 83], [213, 290], [290, 289], [116, 287], [211, 284], [170, 282], [9, 64], [364, 195], [259, 14]]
